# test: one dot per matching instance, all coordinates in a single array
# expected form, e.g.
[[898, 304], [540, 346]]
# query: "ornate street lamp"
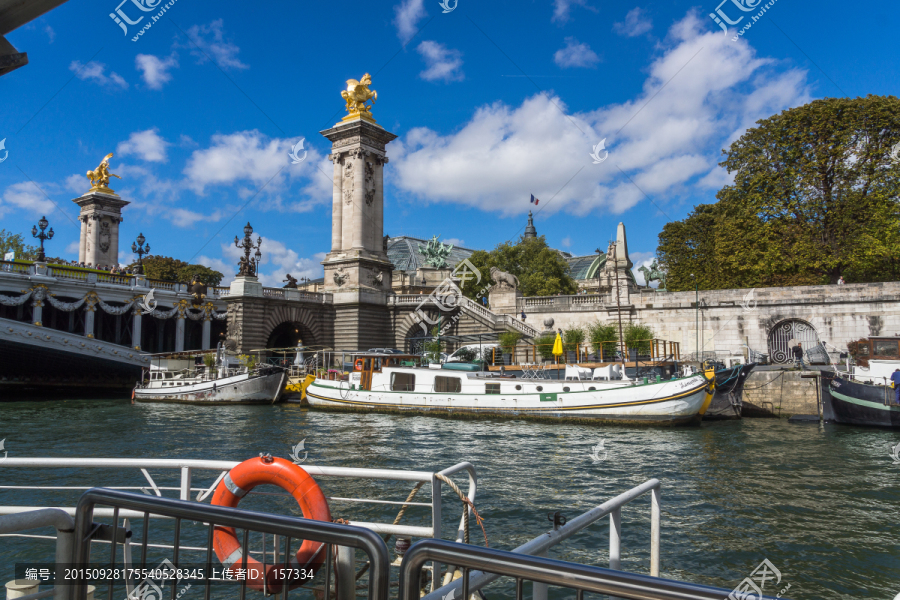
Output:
[[247, 266], [42, 236], [140, 249]]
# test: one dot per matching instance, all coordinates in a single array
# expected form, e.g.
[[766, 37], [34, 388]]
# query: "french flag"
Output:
[[534, 200]]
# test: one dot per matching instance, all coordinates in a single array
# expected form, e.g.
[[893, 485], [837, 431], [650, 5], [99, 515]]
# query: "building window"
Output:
[[448, 384], [403, 382], [492, 388]]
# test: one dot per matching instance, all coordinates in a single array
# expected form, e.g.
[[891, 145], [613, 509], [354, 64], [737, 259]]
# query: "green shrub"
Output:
[[637, 337], [209, 360], [544, 345], [572, 338], [248, 360], [434, 347], [508, 341], [606, 335]]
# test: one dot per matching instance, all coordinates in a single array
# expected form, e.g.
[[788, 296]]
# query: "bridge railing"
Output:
[[294, 294]]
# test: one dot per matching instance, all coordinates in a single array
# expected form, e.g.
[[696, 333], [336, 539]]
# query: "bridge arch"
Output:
[[284, 325]]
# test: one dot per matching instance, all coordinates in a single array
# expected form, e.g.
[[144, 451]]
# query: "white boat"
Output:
[[381, 384], [176, 377]]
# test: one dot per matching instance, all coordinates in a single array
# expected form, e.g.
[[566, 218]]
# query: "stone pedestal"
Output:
[[100, 217], [246, 285], [357, 270], [504, 300]]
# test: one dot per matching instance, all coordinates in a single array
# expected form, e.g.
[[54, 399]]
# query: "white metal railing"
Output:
[[188, 468], [540, 545], [471, 307]]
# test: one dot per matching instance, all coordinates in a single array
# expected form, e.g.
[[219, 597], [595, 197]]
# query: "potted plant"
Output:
[[248, 360], [544, 346], [210, 361], [638, 339], [433, 347], [572, 339], [604, 338], [508, 341]]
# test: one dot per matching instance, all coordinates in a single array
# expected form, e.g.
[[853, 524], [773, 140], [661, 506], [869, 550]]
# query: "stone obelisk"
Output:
[[357, 270]]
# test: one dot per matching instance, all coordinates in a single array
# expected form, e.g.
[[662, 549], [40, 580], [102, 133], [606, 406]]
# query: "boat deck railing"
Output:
[[190, 470]]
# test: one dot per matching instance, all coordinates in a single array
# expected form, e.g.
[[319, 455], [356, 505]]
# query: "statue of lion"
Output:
[[502, 278]]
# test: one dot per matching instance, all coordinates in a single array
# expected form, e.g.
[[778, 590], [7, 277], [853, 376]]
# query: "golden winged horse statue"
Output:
[[100, 176], [356, 95]]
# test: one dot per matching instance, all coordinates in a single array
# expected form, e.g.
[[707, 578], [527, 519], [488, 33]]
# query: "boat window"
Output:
[[565, 389], [403, 382], [518, 387], [885, 348], [863, 349], [492, 388], [447, 384], [592, 388], [540, 388]]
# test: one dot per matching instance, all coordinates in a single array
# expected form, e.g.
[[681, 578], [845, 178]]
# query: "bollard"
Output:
[[21, 587]]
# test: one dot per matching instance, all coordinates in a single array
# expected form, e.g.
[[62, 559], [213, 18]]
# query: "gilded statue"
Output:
[[100, 177], [356, 95]]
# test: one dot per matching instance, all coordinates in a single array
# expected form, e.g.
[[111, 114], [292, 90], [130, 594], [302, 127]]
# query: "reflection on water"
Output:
[[821, 505]]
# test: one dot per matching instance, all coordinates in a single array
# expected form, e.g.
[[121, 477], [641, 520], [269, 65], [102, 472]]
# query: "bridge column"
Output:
[[204, 344], [89, 309], [179, 332], [136, 329], [37, 309]]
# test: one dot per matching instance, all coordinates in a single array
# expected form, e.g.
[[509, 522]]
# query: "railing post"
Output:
[[654, 531], [185, 493], [345, 573], [539, 590], [436, 528], [615, 538]]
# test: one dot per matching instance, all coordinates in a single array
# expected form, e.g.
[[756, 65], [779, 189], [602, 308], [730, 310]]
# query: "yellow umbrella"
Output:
[[557, 345]]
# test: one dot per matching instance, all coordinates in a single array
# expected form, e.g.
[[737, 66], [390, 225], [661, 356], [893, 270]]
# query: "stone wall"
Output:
[[780, 393], [839, 313]]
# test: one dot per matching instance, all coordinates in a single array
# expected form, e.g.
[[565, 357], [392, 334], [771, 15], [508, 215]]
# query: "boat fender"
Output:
[[298, 483], [358, 365]]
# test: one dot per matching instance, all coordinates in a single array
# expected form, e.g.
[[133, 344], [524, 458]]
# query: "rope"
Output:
[[403, 508], [468, 505], [765, 384]]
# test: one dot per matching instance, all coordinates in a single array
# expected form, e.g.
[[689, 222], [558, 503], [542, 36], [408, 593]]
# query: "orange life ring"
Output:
[[358, 365], [295, 481]]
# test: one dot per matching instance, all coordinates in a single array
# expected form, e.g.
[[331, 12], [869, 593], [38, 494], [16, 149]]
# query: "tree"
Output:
[[814, 198], [541, 270], [166, 268], [10, 242], [638, 337], [605, 335]]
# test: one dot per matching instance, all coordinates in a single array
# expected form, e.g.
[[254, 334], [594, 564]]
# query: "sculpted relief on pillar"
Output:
[[370, 183], [347, 184]]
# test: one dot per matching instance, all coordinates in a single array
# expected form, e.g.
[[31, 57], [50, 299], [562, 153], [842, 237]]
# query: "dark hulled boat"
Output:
[[854, 403], [728, 399]]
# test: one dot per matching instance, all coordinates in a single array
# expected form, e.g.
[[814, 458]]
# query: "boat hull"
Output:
[[852, 403], [728, 399], [666, 403], [259, 389]]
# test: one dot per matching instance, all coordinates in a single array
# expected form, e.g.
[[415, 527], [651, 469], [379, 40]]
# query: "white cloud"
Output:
[[155, 71], [407, 14], [575, 54], [208, 41], [95, 71], [562, 9], [444, 64], [261, 162], [51, 35], [74, 247], [455, 241], [668, 138], [77, 183], [147, 145], [26, 196], [567, 242], [636, 23]]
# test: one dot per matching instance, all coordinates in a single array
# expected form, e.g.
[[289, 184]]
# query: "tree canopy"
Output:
[[815, 197], [167, 268], [10, 242], [541, 270]]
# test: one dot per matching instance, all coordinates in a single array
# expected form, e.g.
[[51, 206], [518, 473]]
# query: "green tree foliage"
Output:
[[606, 335], [572, 338], [541, 270], [10, 242], [638, 337], [434, 347], [508, 341], [814, 198], [544, 345], [166, 268]]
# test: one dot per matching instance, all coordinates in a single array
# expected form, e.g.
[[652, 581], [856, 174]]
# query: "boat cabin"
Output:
[[878, 348]]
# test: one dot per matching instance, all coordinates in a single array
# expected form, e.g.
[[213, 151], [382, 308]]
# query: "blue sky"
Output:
[[493, 102]]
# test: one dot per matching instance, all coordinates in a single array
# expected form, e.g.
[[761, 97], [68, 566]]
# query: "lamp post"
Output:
[[247, 265], [138, 247], [42, 236]]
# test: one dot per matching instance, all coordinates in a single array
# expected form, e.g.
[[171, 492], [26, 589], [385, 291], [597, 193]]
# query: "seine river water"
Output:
[[821, 505]]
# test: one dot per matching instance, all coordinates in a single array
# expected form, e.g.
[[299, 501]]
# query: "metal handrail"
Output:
[[542, 570], [541, 544], [65, 532], [291, 527]]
